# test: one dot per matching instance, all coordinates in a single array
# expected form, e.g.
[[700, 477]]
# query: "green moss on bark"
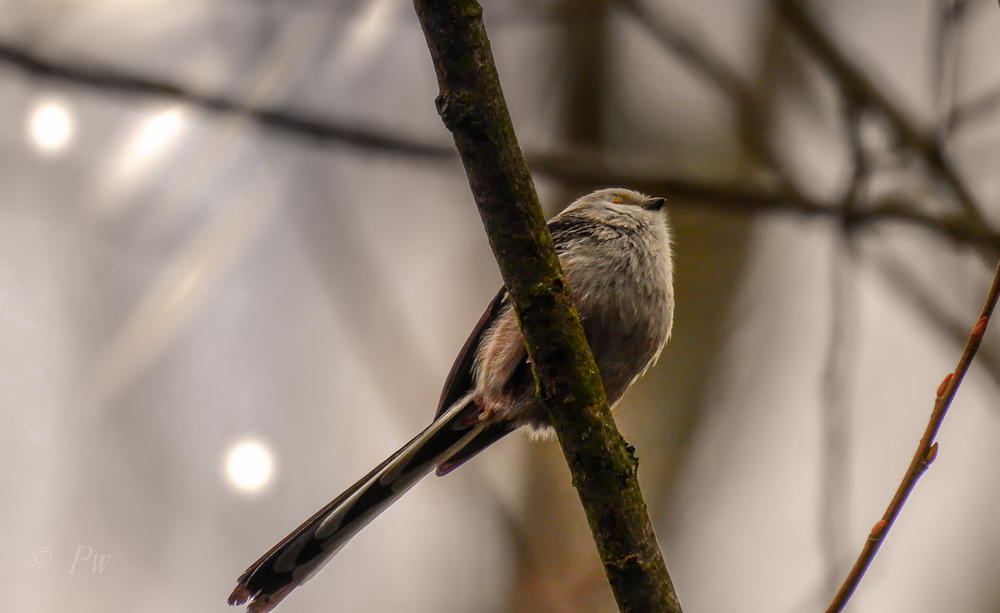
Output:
[[603, 466]]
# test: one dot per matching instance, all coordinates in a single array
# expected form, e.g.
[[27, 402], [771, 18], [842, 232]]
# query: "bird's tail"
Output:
[[303, 552]]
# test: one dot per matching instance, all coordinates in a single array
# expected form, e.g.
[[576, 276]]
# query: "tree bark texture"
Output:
[[603, 466]]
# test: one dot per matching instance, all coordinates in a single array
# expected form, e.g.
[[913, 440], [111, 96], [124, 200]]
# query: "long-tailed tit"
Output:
[[614, 246]]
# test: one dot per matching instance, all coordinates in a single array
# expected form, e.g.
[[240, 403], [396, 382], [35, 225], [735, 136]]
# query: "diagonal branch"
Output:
[[603, 466], [925, 454]]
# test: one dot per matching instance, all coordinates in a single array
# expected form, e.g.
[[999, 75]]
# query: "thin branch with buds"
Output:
[[926, 451]]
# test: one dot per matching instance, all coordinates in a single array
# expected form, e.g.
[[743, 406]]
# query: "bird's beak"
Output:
[[654, 204]]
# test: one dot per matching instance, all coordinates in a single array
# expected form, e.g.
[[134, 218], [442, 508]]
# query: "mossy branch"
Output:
[[603, 466]]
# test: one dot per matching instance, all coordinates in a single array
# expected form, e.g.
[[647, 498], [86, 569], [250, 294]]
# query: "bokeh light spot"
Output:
[[249, 466], [50, 127]]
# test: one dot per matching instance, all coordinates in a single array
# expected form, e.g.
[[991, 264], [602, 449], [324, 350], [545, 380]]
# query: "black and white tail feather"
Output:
[[614, 246], [306, 550]]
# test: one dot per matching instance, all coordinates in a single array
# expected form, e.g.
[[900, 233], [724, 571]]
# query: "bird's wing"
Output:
[[459, 381]]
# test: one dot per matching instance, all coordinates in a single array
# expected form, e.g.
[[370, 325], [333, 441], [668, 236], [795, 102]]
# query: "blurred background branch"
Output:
[[585, 171]]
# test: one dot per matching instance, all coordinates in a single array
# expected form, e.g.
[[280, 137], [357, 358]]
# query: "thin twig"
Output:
[[925, 454]]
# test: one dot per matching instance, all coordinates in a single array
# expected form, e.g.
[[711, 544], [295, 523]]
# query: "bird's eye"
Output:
[[618, 201]]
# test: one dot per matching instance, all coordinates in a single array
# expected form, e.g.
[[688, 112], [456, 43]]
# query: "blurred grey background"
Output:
[[237, 255]]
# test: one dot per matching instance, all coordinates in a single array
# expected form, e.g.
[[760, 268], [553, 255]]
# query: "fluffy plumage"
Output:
[[614, 247]]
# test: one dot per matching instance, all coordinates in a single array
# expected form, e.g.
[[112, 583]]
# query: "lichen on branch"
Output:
[[603, 466]]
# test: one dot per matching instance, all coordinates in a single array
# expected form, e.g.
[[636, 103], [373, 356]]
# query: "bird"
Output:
[[614, 246]]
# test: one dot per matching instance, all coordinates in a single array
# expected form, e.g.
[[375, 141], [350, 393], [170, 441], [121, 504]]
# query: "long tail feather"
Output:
[[303, 552]]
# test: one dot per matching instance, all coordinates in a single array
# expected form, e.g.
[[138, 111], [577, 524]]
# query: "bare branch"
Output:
[[603, 466], [925, 454]]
